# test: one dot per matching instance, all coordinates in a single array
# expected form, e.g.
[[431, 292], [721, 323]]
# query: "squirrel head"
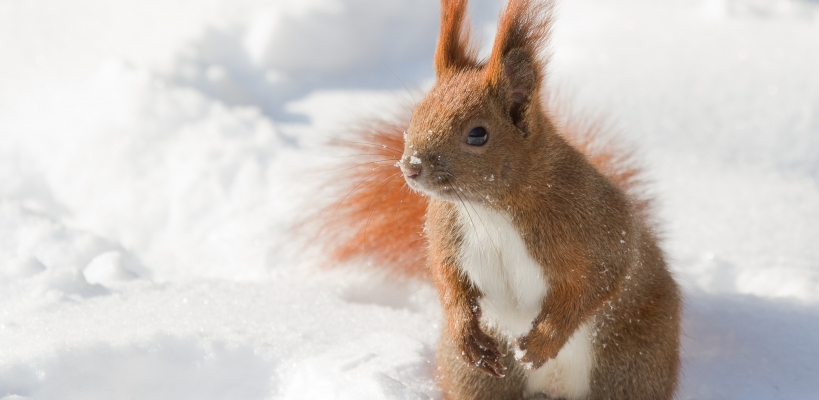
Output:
[[474, 134]]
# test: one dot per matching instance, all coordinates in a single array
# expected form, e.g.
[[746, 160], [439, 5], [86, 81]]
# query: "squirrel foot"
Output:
[[534, 349], [481, 351]]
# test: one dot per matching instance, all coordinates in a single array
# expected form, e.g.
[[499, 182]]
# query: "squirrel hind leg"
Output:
[[461, 381]]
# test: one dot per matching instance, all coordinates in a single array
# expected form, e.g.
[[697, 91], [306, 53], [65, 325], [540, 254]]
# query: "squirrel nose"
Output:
[[411, 171]]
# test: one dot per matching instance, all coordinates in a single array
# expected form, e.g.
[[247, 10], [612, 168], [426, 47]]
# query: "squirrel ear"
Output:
[[515, 64], [454, 50], [521, 76]]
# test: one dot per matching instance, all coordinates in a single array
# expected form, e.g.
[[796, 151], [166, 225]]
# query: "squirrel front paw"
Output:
[[481, 351], [534, 349]]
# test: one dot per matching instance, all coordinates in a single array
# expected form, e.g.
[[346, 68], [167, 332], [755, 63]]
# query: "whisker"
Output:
[[356, 188], [379, 162], [402, 84], [380, 146], [404, 190], [472, 223], [489, 236], [372, 209], [362, 155]]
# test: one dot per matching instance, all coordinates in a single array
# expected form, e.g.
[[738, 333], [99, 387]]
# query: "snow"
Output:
[[154, 155]]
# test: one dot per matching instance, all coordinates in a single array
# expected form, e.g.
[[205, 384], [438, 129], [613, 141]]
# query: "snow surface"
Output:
[[153, 155]]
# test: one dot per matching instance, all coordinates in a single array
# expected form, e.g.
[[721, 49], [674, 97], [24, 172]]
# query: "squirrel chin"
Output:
[[450, 194], [446, 193]]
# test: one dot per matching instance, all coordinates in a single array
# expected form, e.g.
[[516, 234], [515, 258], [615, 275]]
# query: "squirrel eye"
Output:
[[477, 136]]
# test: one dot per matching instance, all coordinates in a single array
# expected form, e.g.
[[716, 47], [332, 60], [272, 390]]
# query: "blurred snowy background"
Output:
[[153, 154]]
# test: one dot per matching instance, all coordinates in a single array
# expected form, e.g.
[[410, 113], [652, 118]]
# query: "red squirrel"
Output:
[[550, 277]]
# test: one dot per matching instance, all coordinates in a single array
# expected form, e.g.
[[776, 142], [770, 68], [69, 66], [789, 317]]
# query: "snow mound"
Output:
[[162, 368]]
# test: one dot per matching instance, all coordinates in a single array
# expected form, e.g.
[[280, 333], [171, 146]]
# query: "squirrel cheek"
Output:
[[507, 168], [466, 148]]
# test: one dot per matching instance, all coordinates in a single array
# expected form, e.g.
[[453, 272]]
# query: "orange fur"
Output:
[[525, 24], [581, 251], [387, 219], [454, 46], [376, 218]]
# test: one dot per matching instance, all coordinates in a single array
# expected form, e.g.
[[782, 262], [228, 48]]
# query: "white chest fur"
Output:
[[496, 260]]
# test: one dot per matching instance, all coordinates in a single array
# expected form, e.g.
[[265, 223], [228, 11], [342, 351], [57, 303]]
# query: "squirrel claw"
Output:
[[481, 350], [491, 366]]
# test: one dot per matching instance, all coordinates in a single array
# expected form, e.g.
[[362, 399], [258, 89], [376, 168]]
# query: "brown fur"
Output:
[[454, 48], [572, 201]]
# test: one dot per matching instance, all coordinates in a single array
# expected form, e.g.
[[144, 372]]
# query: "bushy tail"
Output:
[[378, 221]]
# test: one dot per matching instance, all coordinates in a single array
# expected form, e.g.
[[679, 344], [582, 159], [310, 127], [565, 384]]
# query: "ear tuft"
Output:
[[515, 62], [454, 50]]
